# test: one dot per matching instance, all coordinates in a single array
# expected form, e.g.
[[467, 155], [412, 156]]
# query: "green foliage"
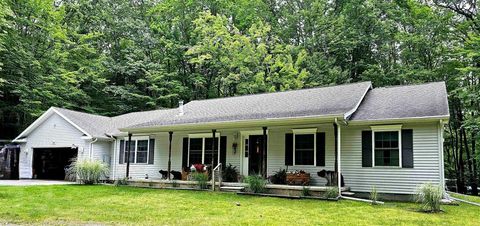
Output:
[[430, 196], [87, 171], [230, 174], [279, 177], [374, 195], [201, 179], [331, 193], [306, 191], [256, 183], [121, 182]]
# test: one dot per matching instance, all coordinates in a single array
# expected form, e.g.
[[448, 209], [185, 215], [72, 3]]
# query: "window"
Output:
[[304, 147], [142, 151], [208, 151], [139, 151], [200, 150], [196, 150], [386, 148]]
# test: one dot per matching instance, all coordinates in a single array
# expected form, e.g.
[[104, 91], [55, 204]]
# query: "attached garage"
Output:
[[54, 140], [50, 163]]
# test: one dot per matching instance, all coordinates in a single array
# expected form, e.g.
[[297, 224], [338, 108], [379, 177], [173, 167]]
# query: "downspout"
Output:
[[91, 148], [113, 165], [339, 174], [442, 161]]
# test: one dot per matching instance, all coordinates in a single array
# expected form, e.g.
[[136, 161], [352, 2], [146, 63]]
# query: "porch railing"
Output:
[[218, 169]]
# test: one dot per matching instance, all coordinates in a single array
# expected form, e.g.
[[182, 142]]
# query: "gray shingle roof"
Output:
[[100, 126], [425, 100], [95, 125], [333, 100]]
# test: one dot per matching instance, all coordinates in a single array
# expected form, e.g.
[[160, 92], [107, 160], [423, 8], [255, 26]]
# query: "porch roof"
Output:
[[334, 101]]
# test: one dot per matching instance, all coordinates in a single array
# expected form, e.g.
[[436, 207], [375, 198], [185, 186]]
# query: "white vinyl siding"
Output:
[[54, 132], [391, 180]]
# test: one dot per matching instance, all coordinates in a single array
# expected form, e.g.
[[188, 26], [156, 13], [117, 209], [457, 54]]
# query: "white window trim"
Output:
[[309, 131], [387, 128], [136, 139], [203, 136]]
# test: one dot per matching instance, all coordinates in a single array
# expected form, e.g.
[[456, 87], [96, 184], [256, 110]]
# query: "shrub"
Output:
[[87, 171], [279, 177], [331, 193], [256, 183], [175, 184], [306, 191], [201, 179], [122, 181], [374, 196], [429, 196], [230, 174]]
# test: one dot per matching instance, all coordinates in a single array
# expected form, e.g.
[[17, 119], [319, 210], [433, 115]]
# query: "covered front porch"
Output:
[[305, 146]]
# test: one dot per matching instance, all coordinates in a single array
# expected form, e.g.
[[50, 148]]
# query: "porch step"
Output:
[[348, 193], [230, 188]]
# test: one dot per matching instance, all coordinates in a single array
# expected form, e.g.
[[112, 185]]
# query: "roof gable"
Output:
[[400, 102], [44, 117]]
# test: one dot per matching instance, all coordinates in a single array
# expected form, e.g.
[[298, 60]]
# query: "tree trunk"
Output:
[[474, 167]]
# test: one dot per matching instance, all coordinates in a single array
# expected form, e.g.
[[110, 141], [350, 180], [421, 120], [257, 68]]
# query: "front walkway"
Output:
[[27, 182]]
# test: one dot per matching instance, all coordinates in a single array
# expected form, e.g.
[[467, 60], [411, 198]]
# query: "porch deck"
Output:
[[230, 186]]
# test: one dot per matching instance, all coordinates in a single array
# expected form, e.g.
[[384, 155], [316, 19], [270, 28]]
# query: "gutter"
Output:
[[91, 148], [253, 122]]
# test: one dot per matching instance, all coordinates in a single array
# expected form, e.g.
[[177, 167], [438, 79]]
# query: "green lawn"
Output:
[[77, 204], [466, 197]]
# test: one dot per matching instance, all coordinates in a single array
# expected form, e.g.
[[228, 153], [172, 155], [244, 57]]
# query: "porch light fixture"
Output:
[[234, 146]]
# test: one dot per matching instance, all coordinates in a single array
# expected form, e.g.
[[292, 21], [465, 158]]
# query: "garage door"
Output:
[[50, 163]]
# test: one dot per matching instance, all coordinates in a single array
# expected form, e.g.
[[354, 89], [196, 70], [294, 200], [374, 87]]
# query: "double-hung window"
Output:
[[304, 141], [200, 149], [386, 146], [139, 151]]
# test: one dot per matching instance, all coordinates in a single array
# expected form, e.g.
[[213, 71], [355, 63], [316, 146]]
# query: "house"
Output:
[[390, 138]]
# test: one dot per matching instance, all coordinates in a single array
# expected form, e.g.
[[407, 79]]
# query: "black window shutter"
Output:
[[407, 148], [122, 152], [288, 149], [223, 151], [151, 151], [320, 149], [366, 148], [185, 153]]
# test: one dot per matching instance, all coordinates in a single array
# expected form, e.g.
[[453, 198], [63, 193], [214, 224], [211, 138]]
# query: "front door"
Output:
[[255, 153]]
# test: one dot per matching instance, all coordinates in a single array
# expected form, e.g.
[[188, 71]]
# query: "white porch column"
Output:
[[339, 175]]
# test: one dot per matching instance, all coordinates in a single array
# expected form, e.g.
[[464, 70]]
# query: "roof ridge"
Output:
[[133, 112], [81, 112], [407, 85], [285, 91]]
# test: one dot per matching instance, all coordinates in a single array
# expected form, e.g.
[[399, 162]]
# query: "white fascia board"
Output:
[[45, 116], [34, 125], [24, 140], [233, 124], [400, 120]]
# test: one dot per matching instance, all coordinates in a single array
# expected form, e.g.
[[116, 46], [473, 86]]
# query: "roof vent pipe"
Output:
[[180, 107]]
